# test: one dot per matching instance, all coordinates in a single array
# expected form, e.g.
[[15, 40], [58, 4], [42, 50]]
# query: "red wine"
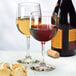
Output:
[[43, 32]]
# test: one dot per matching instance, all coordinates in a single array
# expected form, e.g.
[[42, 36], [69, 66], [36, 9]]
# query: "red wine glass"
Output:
[[42, 30]]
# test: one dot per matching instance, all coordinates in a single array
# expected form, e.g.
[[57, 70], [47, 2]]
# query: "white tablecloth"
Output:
[[65, 66]]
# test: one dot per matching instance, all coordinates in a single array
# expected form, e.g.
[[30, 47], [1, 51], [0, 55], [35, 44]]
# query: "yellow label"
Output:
[[56, 42], [72, 35]]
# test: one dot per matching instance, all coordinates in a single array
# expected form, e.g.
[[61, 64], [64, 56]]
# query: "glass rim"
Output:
[[23, 3]]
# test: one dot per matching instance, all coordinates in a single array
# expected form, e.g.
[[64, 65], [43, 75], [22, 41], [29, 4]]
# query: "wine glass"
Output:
[[23, 23], [43, 31]]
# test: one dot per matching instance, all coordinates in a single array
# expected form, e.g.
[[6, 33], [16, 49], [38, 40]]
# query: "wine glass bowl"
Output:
[[43, 31]]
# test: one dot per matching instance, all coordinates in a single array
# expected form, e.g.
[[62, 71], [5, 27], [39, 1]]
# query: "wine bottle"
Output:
[[65, 40]]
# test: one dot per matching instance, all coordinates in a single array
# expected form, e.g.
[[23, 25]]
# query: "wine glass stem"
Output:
[[28, 45], [43, 48]]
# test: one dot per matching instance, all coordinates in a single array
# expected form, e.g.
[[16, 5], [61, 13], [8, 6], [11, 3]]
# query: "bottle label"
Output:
[[72, 39], [56, 42], [72, 35]]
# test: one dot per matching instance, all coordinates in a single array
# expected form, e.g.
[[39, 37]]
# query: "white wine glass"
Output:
[[23, 23]]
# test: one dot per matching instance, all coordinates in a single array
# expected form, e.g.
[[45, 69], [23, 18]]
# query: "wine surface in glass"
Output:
[[43, 32], [23, 25]]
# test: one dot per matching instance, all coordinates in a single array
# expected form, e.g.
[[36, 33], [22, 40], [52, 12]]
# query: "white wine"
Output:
[[23, 25]]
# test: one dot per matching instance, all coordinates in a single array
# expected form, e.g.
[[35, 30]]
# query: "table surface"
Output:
[[65, 66]]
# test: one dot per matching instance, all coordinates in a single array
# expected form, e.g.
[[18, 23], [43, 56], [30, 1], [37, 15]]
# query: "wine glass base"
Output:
[[42, 67], [28, 60]]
